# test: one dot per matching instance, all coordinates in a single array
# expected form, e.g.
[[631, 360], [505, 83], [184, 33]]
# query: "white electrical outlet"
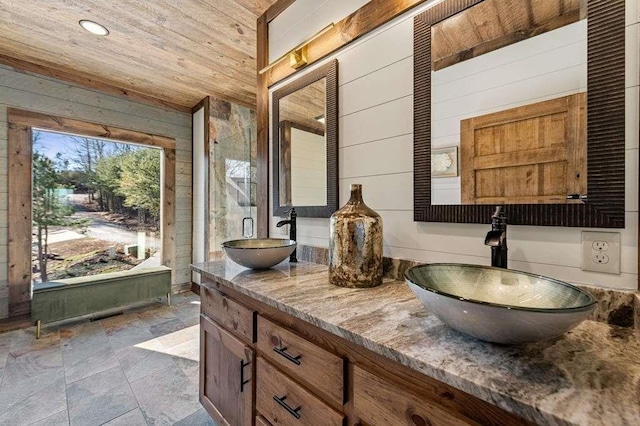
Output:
[[601, 252], [284, 230]]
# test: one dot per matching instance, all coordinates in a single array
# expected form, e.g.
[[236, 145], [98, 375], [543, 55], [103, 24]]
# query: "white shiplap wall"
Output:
[[376, 150], [51, 96]]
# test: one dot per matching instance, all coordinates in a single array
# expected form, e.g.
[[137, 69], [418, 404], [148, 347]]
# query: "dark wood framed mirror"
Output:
[[305, 144], [550, 190]]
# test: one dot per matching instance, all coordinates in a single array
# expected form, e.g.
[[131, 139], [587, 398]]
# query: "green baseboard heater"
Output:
[[75, 297]]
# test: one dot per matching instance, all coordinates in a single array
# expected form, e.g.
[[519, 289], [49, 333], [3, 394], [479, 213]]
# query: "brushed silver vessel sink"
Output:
[[261, 253], [499, 305]]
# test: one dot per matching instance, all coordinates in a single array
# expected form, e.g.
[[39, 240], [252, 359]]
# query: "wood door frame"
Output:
[[19, 215]]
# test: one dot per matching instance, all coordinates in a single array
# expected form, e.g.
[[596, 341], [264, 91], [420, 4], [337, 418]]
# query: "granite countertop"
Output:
[[590, 375]]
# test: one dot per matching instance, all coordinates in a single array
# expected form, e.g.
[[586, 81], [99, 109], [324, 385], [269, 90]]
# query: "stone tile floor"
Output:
[[138, 368]]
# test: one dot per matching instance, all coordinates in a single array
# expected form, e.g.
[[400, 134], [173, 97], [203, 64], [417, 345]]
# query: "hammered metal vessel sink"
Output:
[[499, 305], [261, 253]]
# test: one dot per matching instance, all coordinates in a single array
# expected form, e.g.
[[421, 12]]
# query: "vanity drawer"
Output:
[[321, 370], [228, 313], [379, 402], [283, 402]]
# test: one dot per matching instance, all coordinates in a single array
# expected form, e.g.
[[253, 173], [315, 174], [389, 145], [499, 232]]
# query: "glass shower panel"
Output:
[[232, 186]]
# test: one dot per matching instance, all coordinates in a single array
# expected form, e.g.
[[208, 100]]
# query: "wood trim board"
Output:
[[277, 8], [21, 123], [55, 71], [262, 123]]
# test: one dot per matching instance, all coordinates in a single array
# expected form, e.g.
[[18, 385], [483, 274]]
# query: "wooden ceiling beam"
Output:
[[176, 87], [109, 88]]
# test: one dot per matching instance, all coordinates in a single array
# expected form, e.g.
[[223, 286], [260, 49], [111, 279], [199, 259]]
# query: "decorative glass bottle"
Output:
[[355, 245]]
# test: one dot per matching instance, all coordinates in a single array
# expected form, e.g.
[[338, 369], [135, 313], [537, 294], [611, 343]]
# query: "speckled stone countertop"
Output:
[[590, 375]]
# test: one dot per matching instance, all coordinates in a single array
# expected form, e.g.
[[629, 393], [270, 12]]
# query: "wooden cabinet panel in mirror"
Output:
[[305, 144], [520, 104]]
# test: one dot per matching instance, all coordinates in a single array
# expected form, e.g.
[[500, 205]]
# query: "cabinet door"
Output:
[[226, 375]]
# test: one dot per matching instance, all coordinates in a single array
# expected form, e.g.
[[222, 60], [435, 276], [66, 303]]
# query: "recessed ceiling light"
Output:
[[94, 27]]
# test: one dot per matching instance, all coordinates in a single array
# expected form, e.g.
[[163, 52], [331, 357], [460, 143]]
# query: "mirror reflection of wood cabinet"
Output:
[[226, 375], [526, 155]]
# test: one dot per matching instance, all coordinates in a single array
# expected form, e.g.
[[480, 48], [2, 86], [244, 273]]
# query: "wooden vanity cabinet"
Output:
[[295, 373]]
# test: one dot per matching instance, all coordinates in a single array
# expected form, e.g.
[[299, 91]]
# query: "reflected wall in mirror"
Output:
[[511, 95], [305, 144], [530, 92]]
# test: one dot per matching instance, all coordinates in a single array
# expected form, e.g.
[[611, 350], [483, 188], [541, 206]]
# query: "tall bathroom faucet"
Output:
[[292, 231], [497, 239]]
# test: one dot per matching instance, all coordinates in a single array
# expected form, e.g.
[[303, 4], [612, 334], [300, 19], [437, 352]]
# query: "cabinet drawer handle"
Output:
[[242, 380], [292, 411], [284, 353]]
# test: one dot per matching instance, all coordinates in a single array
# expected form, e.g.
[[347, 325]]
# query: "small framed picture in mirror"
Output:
[[444, 162]]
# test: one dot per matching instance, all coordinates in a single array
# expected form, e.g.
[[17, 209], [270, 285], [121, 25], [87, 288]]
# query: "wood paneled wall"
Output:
[[50, 96]]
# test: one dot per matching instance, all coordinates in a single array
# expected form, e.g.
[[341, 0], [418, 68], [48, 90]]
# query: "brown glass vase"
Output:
[[355, 245]]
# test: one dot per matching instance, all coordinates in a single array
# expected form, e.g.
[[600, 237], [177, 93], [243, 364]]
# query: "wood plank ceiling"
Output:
[[162, 51]]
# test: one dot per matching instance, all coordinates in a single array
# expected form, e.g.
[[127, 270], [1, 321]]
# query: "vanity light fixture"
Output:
[[319, 119], [94, 27], [298, 55]]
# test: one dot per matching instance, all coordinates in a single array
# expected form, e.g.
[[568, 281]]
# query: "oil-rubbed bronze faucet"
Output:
[[497, 239], [292, 231]]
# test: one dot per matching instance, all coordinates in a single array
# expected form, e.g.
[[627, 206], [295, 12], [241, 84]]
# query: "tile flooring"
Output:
[[138, 368]]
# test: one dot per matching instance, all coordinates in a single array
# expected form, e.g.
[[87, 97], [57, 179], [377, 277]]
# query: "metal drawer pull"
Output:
[[284, 353], [242, 380], [292, 411]]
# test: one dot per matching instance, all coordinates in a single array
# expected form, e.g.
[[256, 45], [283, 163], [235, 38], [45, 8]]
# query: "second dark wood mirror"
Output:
[[520, 104]]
